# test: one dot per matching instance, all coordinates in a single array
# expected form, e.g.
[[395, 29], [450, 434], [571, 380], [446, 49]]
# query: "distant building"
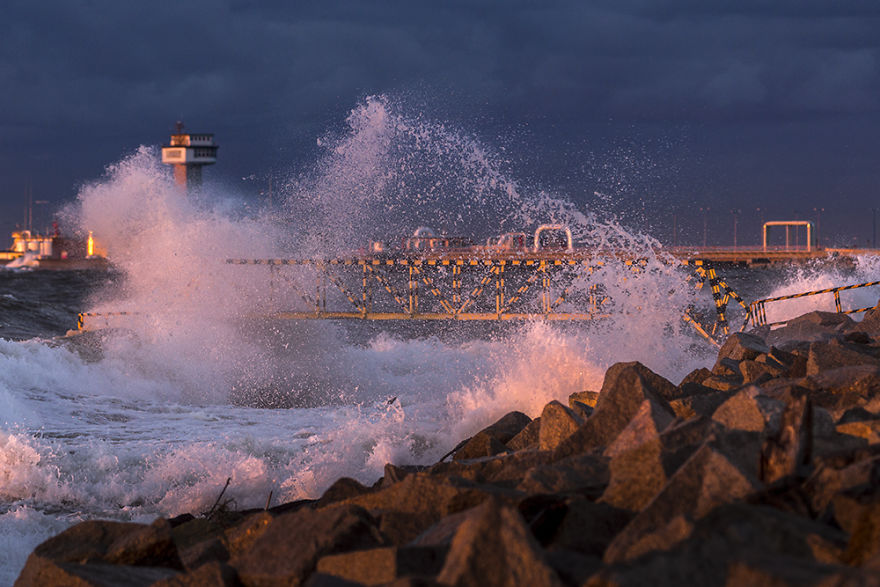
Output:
[[188, 153]]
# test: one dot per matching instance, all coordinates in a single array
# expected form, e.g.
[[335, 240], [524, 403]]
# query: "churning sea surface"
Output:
[[152, 419]]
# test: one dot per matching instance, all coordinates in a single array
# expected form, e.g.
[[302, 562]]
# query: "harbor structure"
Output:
[[188, 153]]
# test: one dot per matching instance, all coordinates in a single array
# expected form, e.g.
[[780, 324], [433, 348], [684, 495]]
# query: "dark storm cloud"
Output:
[[85, 80]]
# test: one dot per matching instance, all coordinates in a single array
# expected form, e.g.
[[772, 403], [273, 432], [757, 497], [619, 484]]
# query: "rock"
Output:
[[739, 544], [812, 327], [49, 572], [637, 475], [433, 495], [482, 444], [400, 528], [698, 405], [215, 573], [588, 398], [395, 473], [870, 323], [625, 387], [720, 383], [712, 476], [528, 436], [840, 473], [869, 430], [746, 410], [557, 423], [757, 372], [495, 547], [242, 536], [836, 354], [342, 489], [741, 346], [845, 388], [508, 426], [572, 567], [603, 520], [583, 474], [696, 376], [864, 542], [648, 422], [287, 551], [788, 450], [376, 566], [115, 543]]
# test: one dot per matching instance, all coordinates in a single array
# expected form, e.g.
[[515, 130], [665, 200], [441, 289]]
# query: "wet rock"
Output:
[[214, 573], [376, 566], [735, 538], [811, 327], [870, 323], [788, 450], [558, 422], [399, 528], [724, 383], [434, 495], [395, 473], [836, 354], [508, 426], [740, 346], [588, 398], [864, 543], [698, 405], [528, 437], [482, 444], [625, 387], [115, 543], [584, 474], [637, 475], [696, 376], [496, 548], [867, 430], [572, 567], [757, 372], [603, 520], [648, 422], [342, 489], [287, 551], [242, 536], [845, 388], [712, 476], [48, 572], [746, 410]]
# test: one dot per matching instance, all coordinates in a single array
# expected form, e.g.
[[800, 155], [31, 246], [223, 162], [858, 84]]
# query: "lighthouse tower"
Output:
[[188, 153]]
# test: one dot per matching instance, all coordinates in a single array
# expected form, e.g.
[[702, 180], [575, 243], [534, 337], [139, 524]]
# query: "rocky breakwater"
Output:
[[763, 470]]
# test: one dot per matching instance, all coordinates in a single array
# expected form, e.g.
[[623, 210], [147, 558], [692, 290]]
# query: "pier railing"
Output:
[[757, 311]]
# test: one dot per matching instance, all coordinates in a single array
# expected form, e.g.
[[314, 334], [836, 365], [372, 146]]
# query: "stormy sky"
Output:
[[749, 108]]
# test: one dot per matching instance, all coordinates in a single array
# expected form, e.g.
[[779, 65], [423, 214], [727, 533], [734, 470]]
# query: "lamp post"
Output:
[[734, 213], [818, 212], [705, 211]]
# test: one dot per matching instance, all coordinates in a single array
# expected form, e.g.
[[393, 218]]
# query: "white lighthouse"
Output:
[[188, 153]]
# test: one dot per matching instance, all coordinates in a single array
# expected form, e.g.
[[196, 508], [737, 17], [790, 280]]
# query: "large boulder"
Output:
[[712, 476], [496, 547], [102, 542], [558, 422], [375, 566], [811, 327], [836, 353], [626, 386], [288, 550]]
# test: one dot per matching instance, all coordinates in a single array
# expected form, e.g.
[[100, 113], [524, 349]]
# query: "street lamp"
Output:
[[705, 211], [818, 212], [734, 213]]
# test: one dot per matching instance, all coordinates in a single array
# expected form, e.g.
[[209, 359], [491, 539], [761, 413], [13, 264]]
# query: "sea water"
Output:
[[153, 419]]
